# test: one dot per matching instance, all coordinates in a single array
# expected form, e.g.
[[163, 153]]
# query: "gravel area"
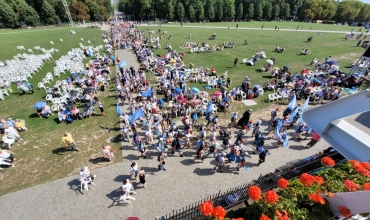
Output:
[[184, 182]]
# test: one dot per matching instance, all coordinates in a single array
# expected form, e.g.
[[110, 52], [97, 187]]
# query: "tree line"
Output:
[[228, 10], [13, 13]]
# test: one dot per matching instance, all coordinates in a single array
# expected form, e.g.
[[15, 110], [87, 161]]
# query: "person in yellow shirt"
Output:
[[68, 141], [19, 125]]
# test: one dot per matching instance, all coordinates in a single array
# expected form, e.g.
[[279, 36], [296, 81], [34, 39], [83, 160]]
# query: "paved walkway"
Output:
[[183, 183]]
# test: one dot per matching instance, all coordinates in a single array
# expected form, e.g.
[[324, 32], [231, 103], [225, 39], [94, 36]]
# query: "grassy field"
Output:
[[282, 25], [328, 44], [40, 156]]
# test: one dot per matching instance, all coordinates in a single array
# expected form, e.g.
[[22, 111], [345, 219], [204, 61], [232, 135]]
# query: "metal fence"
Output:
[[239, 194]]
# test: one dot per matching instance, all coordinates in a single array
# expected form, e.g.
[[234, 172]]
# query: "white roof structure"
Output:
[[344, 124]]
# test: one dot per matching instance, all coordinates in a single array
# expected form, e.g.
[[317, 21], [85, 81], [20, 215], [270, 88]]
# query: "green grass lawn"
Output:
[[272, 24], [328, 44], [40, 157]]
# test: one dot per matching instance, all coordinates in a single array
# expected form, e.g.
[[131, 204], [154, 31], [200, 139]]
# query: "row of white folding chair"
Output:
[[274, 96]]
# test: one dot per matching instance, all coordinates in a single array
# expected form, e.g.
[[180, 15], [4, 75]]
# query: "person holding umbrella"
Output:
[[39, 107]]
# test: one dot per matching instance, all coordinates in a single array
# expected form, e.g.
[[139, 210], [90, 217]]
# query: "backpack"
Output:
[[274, 123], [260, 141], [69, 120], [225, 141]]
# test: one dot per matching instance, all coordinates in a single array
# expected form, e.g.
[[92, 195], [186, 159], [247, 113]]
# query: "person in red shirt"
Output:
[[314, 139], [213, 71]]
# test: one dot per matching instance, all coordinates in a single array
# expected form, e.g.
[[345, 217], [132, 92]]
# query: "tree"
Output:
[[259, 11], [191, 13], [276, 11], [47, 14], [239, 12], [59, 10], [364, 14], [210, 10], [219, 15], [348, 10], [78, 8], [180, 11], [8, 18], [250, 13], [285, 11], [108, 5], [28, 15], [94, 10], [268, 10], [170, 11], [199, 11], [229, 9]]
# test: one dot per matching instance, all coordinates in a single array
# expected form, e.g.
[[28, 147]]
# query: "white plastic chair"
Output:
[[41, 85], [271, 97], [8, 140], [55, 108], [277, 96], [244, 95], [49, 98], [85, 182]]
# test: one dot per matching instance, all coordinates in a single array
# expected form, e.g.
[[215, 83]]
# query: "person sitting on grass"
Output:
[[46, 111], [20, 125], [62, 116], [108, 153]]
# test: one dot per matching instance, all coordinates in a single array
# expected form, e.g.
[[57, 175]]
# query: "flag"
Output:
[[286, 140], [118, 109], [291, 118], [210, 107], [292, 103], [148, 93], [139, 113], [123, 63], [305, 105]]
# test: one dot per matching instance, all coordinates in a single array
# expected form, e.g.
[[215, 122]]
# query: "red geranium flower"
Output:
[[307, 179], [351, 186], [254, 192], [362, 171], [237, 219], [319, 180], [219, 213], [327, 161], [264, 217], [206, 208], [271, 197], [344, 211], [283, 215], [283, 183], [354, 162], [316, 198], [366, 186], [366, 165]]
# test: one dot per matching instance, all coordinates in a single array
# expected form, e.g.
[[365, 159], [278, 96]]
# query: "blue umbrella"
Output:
[[195, 89], [39, 104], [178, 90], [148, 93], [139, 113]]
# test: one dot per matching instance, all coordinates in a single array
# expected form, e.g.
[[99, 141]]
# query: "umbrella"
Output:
[[178, 90], [217, 93], [270, 62], [39, 104], [195, 89]]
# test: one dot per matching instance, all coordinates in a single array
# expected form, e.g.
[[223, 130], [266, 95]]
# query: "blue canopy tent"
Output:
[[139, 113]]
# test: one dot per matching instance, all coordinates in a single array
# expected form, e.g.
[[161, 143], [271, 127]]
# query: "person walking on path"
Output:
[[315, 138], [127, 189], [162, 163], [235, 61], [220, 162], [69, 142], [262, 156], [142, 149], [142, 177], [134, 170], [100, 105]]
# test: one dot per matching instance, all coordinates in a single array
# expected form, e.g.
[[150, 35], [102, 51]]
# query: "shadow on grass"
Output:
[[61, 150], [34, 115], [75, 185], [98, 160]]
